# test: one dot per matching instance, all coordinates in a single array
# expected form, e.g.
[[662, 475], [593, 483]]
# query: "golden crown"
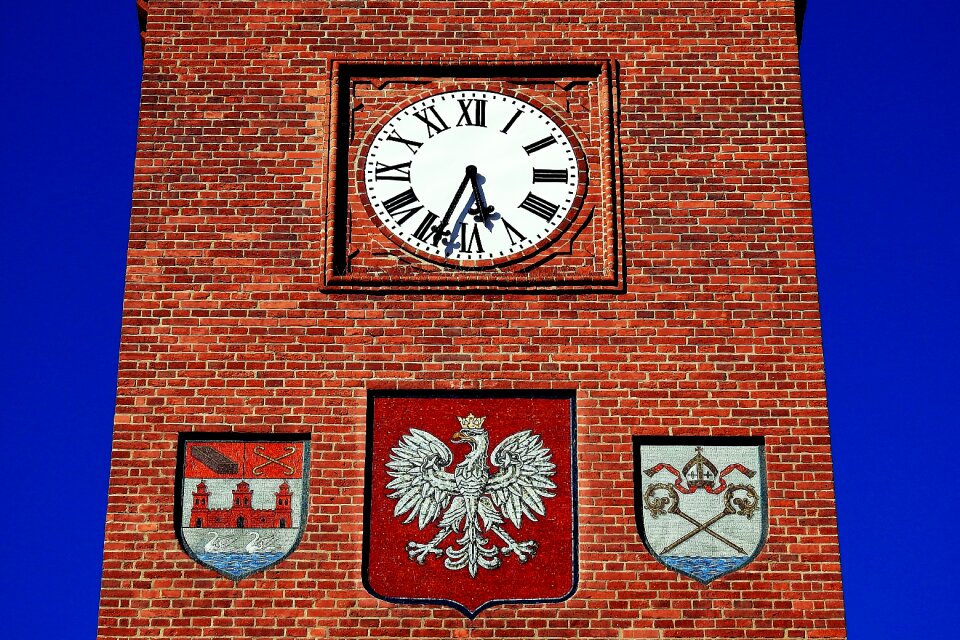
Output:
[[471, 422]]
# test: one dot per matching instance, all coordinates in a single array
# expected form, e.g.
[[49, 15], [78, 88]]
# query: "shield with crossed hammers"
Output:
[[241, 499], [701, 503]]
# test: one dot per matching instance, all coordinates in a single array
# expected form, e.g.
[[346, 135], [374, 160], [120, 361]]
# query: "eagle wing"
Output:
[[523, 479], [420, 485]]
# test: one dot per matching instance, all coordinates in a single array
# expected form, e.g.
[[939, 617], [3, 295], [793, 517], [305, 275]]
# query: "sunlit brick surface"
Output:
[[227, 326]]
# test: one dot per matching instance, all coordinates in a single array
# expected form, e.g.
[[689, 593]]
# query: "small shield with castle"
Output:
[[701, 503], [241, 500], [470, 499]]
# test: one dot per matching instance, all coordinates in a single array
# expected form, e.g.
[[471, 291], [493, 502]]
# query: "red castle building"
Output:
[[241, 514]]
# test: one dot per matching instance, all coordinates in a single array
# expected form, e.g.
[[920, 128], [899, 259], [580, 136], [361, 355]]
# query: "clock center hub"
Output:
[[503, 169]]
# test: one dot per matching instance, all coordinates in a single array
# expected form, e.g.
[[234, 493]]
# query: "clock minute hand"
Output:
[[481, 212], [438, 230]]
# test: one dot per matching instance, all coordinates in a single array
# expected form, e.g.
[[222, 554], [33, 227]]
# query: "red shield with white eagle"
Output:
[[470, 499]]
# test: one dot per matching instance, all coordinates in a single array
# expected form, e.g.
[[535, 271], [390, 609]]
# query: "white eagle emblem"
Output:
[[472, 500]]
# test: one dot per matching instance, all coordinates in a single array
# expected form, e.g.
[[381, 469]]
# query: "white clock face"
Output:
[[472, 178]]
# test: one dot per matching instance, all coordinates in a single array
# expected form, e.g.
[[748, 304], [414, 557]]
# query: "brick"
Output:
[[713, 327]]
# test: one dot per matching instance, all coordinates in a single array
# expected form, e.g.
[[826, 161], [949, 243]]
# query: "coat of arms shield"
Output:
[[470, 499], [241, 499], [701, 503]]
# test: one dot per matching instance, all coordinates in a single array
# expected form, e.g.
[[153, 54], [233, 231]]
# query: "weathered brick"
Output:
[[227, 325]]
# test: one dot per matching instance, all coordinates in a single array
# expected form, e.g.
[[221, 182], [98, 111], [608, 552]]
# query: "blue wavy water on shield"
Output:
[[237, 565], [704, 569]]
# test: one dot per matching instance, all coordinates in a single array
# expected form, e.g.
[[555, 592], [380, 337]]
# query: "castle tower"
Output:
[[201, 500], [242, 505], [587, 223], [284, 507]]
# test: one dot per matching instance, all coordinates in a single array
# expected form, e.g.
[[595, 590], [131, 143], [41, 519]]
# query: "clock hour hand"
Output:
[[438, 230], [481, 212]]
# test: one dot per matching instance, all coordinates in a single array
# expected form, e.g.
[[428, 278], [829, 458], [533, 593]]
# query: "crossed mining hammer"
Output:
[[260, 451]]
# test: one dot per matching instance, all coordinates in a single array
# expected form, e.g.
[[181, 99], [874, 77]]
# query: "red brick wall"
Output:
[[226, 325]]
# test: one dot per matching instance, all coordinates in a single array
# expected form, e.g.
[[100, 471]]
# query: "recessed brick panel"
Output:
[[579, 94]]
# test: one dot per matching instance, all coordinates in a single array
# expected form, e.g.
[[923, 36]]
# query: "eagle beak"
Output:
[[459, 437]]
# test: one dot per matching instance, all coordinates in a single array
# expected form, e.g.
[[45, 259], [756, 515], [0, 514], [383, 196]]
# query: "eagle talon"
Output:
[[523, 550], [419, 552]]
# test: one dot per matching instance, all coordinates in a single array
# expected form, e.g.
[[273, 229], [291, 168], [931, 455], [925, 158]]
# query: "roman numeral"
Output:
[[395, 205], [512, 120], [397, 202], [474, 237], [548, 175], [539, 207], [401, 172], [426, 228], [402, 215], [511, 230], [432, 119], [539, 144], [479, 116], [413, 145]]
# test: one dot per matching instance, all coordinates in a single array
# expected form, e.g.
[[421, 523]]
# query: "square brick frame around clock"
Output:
[[708, 326], [359, 257]]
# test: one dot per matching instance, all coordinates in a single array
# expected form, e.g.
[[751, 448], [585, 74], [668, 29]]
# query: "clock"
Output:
[[473, 178], [487, 175]]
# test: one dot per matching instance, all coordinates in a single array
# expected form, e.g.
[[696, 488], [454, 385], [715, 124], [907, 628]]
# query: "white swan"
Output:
[[255, 544], [258, 544], [215, 544]]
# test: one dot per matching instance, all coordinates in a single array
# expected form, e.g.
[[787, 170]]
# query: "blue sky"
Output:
[[880, 88]]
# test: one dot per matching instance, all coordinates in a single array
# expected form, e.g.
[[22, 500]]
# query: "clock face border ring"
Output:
[[551, 111]]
